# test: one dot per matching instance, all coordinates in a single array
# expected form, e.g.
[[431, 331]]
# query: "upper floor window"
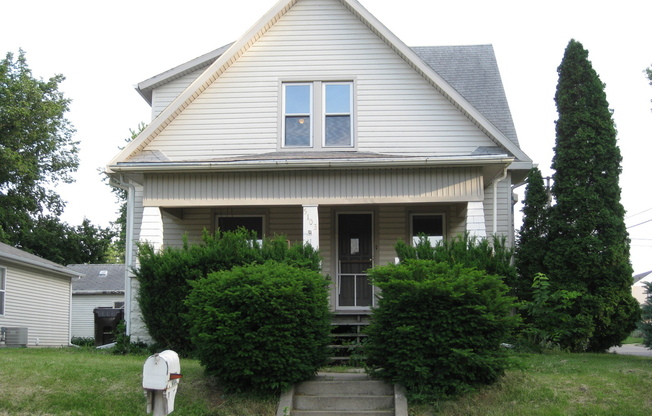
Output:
[[318, 114]]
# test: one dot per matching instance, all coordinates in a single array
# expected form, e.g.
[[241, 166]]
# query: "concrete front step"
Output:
[[342, 394], [342, 413], [345, 388], [343, 403]]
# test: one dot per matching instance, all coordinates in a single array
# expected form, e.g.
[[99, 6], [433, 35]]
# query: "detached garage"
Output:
[[35, 300]]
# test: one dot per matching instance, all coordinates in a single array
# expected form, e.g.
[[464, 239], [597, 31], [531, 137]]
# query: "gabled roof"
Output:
[[224, 59], [9, 254], [146, 87], [99, 278], [473, 71], [642, 276]]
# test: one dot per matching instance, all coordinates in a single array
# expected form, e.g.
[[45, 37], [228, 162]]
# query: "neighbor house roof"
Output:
[[641, 276], [15, 255], [99, 278], [225, 56]]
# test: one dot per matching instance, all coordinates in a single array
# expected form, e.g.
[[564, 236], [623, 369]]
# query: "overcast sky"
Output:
[[105, 48]]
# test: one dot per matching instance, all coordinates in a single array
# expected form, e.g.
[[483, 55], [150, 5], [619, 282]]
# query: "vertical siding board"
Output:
[[276, 187]]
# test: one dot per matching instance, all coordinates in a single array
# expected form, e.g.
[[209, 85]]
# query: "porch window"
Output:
[[317, 114], [248, 222], [430, 225], [3, 289]]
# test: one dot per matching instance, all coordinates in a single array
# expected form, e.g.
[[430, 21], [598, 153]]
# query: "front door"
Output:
[[355, 257]]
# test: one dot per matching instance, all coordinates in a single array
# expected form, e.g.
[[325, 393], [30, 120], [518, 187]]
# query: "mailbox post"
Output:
[[161, 374]]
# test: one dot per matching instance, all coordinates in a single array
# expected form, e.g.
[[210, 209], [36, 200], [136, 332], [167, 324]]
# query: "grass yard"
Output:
[[71, 381], [87, 382], [560, 384]]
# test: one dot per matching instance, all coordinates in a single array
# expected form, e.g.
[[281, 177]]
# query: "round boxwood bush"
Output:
[[438, 328], [260, 327]]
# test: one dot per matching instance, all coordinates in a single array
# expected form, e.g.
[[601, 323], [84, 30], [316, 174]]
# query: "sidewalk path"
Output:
[[631, 349]]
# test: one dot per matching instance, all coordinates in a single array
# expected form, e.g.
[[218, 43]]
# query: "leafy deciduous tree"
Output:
[[36, 153], [36, 146], [588, 248]]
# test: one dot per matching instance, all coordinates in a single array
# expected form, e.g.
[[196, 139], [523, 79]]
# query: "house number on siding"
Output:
[[311, 225]]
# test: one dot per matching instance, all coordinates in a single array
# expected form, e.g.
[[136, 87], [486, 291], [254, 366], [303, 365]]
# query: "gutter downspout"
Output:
[[129, 245], [70, 344], [495, 208]]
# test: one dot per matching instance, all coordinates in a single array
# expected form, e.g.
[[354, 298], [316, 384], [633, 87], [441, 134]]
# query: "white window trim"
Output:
[[310, 114], [324, 114], [317, 114], [422, 214], [3, 290]]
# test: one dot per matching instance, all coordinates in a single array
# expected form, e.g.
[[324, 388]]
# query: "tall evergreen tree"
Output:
[[588, 247], [531, 240]]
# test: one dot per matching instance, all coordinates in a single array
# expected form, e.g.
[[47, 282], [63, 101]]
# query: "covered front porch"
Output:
[[350, 238]]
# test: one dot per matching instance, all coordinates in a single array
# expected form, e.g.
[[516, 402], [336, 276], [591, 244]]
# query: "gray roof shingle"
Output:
[[94, 279], [473, 71]]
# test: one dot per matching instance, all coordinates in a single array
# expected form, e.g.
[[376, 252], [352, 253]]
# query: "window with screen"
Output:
[[429, 225]]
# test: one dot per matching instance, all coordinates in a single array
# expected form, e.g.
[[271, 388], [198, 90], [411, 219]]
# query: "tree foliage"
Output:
[[648, 73], [36, 146], [37, 152], [438, 328], [531, 240], [588, 245], [492, 255], [165, 276], [646, 317], [261, 327]]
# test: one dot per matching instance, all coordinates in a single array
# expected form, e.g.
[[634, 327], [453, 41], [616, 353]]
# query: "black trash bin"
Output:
[[106, 324]]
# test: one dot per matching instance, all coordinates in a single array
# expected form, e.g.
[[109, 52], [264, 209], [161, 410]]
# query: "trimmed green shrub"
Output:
[[438, 328], [261, 327], [556, 319], [492, 255], [645, 326], [164, 277]]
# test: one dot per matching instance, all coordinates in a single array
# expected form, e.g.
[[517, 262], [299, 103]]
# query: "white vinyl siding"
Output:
[[40, 302], [239, 113], [505, 216], [83, 318], [165, 94]]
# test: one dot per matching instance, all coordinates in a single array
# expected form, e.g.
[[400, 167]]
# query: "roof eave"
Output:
[[293, 164]]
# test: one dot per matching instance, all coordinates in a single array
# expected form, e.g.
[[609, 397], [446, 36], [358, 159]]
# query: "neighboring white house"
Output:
[[101, 286], [321, 125], [35, 299], [639, 289]]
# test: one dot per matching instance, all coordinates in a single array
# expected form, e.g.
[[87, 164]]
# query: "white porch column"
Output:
[[151, 229], [475, 224], [311, 225]]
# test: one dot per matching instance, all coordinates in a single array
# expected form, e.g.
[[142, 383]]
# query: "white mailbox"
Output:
[[161, 374]]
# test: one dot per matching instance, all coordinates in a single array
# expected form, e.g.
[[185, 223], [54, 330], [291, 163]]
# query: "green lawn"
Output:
[[87, 382], [561, 384]]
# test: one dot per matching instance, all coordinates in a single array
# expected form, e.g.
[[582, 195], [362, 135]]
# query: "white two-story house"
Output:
[[321, 125]]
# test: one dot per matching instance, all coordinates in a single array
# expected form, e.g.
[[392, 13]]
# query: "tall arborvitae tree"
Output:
[[588, 248], [531, 240]]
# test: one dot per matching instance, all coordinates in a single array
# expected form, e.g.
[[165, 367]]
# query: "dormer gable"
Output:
[[265, 48]]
